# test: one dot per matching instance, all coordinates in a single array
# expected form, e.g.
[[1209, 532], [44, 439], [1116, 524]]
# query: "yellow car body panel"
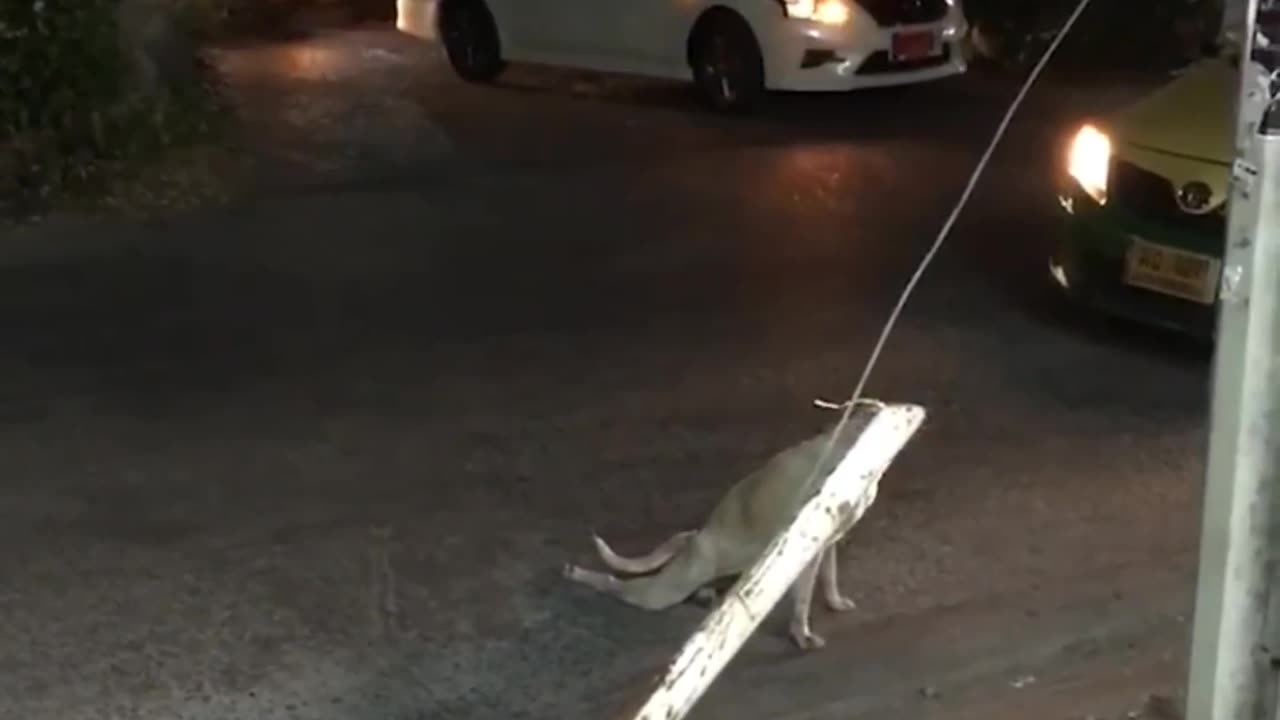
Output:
[[1191, 116]]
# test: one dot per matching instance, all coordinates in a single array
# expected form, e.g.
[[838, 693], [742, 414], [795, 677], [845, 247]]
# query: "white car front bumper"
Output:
[[811, 57], [416, 18]]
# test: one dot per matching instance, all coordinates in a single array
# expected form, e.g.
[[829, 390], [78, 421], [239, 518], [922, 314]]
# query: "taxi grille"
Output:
[[888, 13], [1154, 198]]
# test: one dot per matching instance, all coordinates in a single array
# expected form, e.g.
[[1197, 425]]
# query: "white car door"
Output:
[[586, 29], [519, 25], [652, 33], [557, 32]]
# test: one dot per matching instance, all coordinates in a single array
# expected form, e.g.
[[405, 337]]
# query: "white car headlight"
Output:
[[827, 12], [1089, 161]]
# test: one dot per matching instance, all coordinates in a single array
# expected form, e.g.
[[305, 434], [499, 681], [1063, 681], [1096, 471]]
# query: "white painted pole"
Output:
[[1232, 674], [845, 496], [1233, 19]]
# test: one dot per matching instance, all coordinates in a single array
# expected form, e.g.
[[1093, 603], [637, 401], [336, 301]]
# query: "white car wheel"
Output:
[[470, 39], [727, 64]]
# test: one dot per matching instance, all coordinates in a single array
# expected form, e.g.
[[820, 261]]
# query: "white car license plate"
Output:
[[909, 45], [1162, 269]]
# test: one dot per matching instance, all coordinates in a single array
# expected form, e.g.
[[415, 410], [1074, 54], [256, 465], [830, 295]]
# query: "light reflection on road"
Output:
[[828, 176]]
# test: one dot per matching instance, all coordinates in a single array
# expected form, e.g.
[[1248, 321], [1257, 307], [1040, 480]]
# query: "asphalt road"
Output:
[[321, 454]]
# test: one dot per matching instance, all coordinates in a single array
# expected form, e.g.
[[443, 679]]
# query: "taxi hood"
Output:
[[1192, 116]]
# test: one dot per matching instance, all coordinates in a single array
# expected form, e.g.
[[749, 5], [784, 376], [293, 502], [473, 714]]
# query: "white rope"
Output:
[[854, 399]]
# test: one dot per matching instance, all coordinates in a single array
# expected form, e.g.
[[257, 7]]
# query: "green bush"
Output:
[[75, 106], [60, 56]]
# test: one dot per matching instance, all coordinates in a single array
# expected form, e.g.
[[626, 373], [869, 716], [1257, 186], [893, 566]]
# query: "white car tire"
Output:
[[728, 67], [470, 38]]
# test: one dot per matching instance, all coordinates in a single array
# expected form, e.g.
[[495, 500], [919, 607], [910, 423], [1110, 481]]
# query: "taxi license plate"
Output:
[[1163, 269], [913, 45]]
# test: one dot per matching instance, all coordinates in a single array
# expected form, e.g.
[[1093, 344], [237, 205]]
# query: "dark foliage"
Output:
[[1112, 34], [75, 106]]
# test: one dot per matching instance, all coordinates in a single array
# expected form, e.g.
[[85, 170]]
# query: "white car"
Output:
[[734, 50]]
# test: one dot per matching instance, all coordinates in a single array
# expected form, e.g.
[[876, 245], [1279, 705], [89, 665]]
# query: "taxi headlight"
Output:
[[1089, 161]]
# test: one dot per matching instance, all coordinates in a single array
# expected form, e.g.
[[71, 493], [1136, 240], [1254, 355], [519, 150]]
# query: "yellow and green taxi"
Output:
[[1144, 196]]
